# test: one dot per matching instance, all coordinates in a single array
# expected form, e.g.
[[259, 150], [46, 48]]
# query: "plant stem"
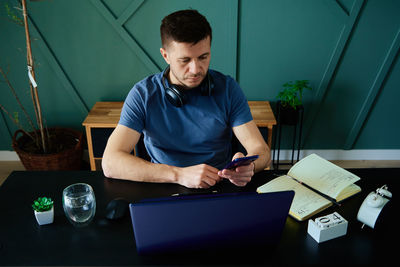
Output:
[[17, 123], [34, 92], [19, 103]]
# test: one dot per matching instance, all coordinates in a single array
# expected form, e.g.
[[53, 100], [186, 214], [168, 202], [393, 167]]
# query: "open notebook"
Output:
[[317, 183]]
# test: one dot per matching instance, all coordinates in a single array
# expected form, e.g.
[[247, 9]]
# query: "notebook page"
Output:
[[322, 175], [305, 202]]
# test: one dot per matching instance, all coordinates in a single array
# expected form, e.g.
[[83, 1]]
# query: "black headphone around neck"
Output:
[[177, 97]]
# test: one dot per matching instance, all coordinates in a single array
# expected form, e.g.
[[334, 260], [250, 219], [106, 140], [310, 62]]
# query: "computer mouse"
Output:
[[116, 209]]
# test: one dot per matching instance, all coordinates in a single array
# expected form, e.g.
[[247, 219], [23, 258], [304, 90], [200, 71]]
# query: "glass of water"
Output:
[[79, 204]]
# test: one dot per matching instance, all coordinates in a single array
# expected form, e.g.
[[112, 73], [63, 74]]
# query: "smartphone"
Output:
[[240, 161]]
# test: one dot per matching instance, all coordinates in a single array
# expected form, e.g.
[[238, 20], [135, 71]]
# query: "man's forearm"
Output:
[[263, 161], [123, 165]]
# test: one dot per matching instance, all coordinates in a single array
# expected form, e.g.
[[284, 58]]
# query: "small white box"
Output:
[[330, 230]]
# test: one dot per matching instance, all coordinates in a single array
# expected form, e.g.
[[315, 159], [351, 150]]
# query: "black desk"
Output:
[[24, 242]]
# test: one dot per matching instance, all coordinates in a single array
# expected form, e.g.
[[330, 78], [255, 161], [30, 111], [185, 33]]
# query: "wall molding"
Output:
[[234, 34], [380, 78], [118, 25], [56, 67], [334, 63], [286, 154], [129, 11], [341, 154], [6, 155]]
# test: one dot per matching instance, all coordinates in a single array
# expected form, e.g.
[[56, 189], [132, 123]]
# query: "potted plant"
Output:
[[291, 100], [43, 208], [40, 147]]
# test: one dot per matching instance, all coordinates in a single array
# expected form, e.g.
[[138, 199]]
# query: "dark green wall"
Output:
[[93, 50]]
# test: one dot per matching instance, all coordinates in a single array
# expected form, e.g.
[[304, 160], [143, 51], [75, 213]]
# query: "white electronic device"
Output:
[[327, 227], [373, 205]]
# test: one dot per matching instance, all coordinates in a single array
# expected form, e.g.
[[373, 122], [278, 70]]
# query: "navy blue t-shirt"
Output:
[[199, 132]]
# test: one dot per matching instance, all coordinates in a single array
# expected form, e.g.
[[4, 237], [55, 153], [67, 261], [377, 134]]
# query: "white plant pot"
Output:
[[45, 217]]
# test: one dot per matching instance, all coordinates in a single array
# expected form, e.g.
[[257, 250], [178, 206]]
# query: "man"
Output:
[[187, 114]]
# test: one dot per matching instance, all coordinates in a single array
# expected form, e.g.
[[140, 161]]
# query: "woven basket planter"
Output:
[[67, 159]]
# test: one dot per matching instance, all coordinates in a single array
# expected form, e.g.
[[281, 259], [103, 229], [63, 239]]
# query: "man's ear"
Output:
[[165, 55]]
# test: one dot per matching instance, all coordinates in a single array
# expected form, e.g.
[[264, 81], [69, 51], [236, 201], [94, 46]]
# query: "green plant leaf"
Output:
[[292, 94], [13, 16], [42, 204]]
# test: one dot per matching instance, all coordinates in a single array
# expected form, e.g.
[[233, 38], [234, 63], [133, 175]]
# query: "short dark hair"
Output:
[[185, 26]]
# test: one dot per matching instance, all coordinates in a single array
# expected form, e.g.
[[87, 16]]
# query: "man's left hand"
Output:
[[241, 175]]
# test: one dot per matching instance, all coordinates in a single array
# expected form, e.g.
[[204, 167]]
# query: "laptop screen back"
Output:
[[220, 221]]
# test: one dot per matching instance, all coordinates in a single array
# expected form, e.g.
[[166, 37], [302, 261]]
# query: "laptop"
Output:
[[215, 221]]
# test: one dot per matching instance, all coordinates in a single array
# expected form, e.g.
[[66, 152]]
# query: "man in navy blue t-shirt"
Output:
[[187, 114]]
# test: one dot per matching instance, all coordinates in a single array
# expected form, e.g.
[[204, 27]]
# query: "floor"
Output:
[[6, 167]]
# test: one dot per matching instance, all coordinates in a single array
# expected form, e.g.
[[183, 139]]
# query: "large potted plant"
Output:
[[291, 101], [40, 147]]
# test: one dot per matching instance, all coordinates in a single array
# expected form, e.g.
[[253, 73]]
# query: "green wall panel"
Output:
[[382, 128], [89, 51], [353, 82], [144, 27], [281, 41], [117, 8]]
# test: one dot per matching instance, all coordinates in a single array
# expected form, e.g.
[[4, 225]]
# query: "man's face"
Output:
[[188, 62]]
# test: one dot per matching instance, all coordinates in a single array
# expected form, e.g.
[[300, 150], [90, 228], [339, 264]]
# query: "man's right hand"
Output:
[[198, 176], [119, 163]]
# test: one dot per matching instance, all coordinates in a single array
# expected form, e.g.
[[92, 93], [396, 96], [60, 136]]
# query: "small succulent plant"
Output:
[[42, 204]]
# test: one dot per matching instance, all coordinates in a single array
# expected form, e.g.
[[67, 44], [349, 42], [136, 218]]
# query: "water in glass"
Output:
[[79, 204]]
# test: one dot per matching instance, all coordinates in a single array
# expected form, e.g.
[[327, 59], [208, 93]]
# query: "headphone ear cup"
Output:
[[175, 97]]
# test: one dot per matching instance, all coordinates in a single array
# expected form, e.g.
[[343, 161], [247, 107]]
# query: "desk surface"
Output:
[[24, 242]]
